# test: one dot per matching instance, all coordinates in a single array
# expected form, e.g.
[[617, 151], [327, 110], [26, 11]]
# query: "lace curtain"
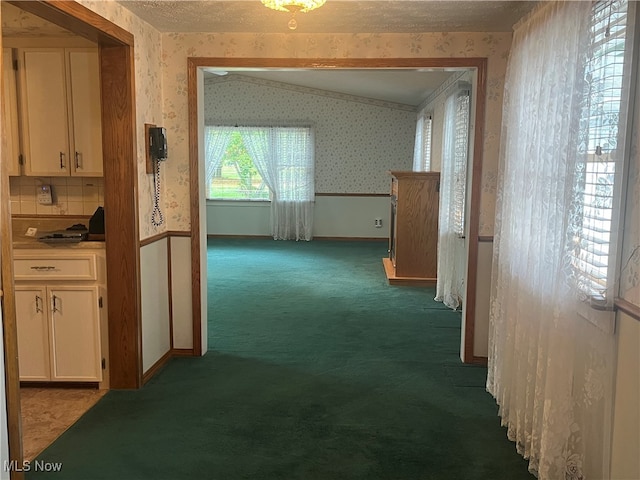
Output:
[[285, 159], [422, 147], [451, 248], [216, 140], [550, 370]]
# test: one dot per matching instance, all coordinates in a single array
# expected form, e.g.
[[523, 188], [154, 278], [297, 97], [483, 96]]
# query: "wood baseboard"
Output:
[[156, 367], [182, 352], [393, 279], [482, 361]]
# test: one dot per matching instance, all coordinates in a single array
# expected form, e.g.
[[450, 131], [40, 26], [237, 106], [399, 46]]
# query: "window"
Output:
[[603, 155], [237, 177], [422, 150], [259, 163], [461, 149]]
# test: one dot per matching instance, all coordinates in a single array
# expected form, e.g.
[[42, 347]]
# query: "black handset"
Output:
[[158, 143]]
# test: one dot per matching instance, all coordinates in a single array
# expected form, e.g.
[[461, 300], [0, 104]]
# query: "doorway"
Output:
[[198, 217], [121, 210]]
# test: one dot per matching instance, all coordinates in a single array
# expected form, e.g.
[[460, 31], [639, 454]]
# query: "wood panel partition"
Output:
[[121, 207]]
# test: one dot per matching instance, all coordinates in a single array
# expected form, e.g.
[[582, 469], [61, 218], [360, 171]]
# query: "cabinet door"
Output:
[[86, 114], [11, 142], [33, 333], [44, 112], [75, 333]]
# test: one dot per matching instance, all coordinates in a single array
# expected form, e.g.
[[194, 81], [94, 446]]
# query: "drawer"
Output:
[[60, 267]]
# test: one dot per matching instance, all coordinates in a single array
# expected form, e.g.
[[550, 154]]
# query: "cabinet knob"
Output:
[[77, 160], [61, 160], [38, 304]]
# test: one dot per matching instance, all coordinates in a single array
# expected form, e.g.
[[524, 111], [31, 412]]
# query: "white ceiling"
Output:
[[336, 16], [408, 87]]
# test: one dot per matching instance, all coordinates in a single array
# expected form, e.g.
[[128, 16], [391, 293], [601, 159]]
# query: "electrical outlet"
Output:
[[377, 222], [31, 232]]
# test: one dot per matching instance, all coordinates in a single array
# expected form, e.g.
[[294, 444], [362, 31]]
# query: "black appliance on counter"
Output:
[[73, 234]]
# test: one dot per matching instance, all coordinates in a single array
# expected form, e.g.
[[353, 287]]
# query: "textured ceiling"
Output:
[[409, 87], [335, 16]]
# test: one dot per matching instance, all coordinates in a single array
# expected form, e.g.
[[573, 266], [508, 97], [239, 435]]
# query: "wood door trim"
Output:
[[474, 214], [10, 333], [478, 63], [121, 216], [121, 208], [194, 203], [78, 19]]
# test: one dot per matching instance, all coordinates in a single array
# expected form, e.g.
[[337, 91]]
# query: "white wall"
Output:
[[334, 216], [154, 273], [181, 304]]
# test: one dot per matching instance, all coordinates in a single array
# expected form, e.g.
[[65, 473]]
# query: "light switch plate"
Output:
[[44, 195]]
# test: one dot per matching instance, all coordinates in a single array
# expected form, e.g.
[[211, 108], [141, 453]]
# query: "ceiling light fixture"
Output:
[[293, 7]]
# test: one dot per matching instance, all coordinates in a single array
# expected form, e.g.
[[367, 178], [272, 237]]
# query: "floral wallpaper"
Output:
[[177, 47], [357, 141], [148, 97]]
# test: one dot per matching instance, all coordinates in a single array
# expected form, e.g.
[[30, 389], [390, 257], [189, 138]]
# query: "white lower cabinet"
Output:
[[58, 327], [33, 333]]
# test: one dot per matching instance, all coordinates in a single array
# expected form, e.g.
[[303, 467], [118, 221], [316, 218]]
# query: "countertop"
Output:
[[43, 225], [33, 244]]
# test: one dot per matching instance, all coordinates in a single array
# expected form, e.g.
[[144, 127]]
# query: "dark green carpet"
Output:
[[317, 369]]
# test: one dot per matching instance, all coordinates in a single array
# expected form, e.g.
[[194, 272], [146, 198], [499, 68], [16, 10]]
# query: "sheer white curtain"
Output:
[[549, 369], [422, 147], [216, 140], [451, 248], [284, 156], [292, 206]]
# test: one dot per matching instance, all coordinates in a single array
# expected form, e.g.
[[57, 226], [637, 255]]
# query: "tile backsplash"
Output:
[[70, 195]]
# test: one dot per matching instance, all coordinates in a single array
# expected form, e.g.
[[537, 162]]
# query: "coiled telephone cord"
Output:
[[157, 218]]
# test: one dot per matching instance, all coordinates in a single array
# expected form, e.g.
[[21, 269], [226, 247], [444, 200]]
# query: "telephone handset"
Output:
[[158, 143], [157, 152]]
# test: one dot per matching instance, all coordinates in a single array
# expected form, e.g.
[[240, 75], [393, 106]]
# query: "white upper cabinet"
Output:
[[84, 75], [10, 138], [60, 108]]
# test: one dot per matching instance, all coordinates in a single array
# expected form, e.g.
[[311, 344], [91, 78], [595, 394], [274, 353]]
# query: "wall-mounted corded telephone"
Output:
[[158, 143], [156, 152]]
